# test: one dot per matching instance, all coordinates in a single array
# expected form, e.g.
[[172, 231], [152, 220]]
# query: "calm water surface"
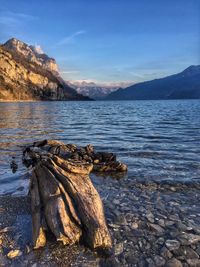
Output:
[[159, 140]]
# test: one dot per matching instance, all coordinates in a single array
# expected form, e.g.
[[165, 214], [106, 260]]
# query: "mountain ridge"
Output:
[[26, 74], [183, 85], [92, 89]]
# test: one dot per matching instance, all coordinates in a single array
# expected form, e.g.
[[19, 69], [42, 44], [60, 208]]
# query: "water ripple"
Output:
[[159, 140]]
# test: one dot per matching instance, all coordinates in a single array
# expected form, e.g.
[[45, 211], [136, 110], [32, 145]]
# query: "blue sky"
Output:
[[108, 40]]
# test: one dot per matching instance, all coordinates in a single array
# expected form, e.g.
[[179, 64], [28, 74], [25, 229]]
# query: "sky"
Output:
[[108, 41]]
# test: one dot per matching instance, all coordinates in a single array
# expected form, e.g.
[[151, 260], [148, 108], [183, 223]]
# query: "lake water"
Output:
[[159, 140]]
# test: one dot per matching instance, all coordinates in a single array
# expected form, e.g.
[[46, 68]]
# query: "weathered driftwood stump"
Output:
[[63, 198]]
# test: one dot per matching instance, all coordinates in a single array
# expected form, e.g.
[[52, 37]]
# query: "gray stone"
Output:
[[142, 263], [159, 261], [198, 250], [174, 217], [172, 188], [188, 252], [172, 244], [173, 263], [116, 202], [166, 253], [188, 239], [121, 219], [119, 248], [150, 217], [161, 222], [110, 262], [160, 241], [131, 258], [150, 262], [193, 262], [134, 225], [169, 223], [156, 227]]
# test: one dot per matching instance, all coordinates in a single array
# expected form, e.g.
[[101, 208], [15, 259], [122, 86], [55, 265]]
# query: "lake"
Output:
[[159, 140]]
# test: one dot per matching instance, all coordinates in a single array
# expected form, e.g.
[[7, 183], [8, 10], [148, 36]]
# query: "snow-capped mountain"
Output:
[[94, 90]]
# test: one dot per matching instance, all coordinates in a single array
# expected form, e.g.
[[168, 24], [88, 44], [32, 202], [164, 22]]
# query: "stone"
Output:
[[169, 223], [186, 251], [161, 222], [150, 217], [159, 261], [172, 188], [14, 253], [131, 258], [150, 262], [172, 244], [116, 202], [193, 262], [166, 253], [174, 217], [156, 227], [134, 225], [173, 263], [121, 219], [110, 262], [142, 263], [119, 248], [188, 239], [160, 241]]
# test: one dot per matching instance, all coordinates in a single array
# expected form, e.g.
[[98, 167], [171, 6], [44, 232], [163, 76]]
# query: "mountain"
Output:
[[184, 85], [26, 73], [93, 90]]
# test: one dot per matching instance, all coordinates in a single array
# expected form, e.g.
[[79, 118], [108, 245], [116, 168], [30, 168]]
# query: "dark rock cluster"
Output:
[[102, 161]]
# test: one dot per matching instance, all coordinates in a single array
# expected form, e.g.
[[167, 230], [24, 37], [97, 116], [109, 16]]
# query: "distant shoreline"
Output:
[[106, 100], [2, 100], [49, 100]]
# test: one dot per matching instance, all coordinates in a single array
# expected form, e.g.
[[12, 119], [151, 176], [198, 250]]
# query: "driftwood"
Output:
[[63, 198], [39, 238]]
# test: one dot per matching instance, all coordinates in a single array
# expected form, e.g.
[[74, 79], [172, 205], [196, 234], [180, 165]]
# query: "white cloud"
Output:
[[37, 49], [70, 38], [137, 75]]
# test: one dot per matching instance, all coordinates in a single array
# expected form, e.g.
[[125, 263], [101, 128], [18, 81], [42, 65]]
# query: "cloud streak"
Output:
[[69, 71], [11, 19], [70, 38], [13, 24]]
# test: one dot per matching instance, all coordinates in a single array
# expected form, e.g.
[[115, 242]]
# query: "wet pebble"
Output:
[[150, 217], [156, 227], [188, 239], [159, 261], [187, 252], [172, 244], [134, 225], [193, 262], [119, 248], [166, 253], [173, 263]]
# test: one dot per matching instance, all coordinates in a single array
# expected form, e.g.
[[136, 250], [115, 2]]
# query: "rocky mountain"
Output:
[[184, 85], [92, 89], [26, 73]]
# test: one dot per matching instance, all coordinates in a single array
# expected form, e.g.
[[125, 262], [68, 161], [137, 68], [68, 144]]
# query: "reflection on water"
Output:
[[159, 140]]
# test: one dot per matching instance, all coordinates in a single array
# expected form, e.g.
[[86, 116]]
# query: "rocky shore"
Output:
[[151, 225]]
